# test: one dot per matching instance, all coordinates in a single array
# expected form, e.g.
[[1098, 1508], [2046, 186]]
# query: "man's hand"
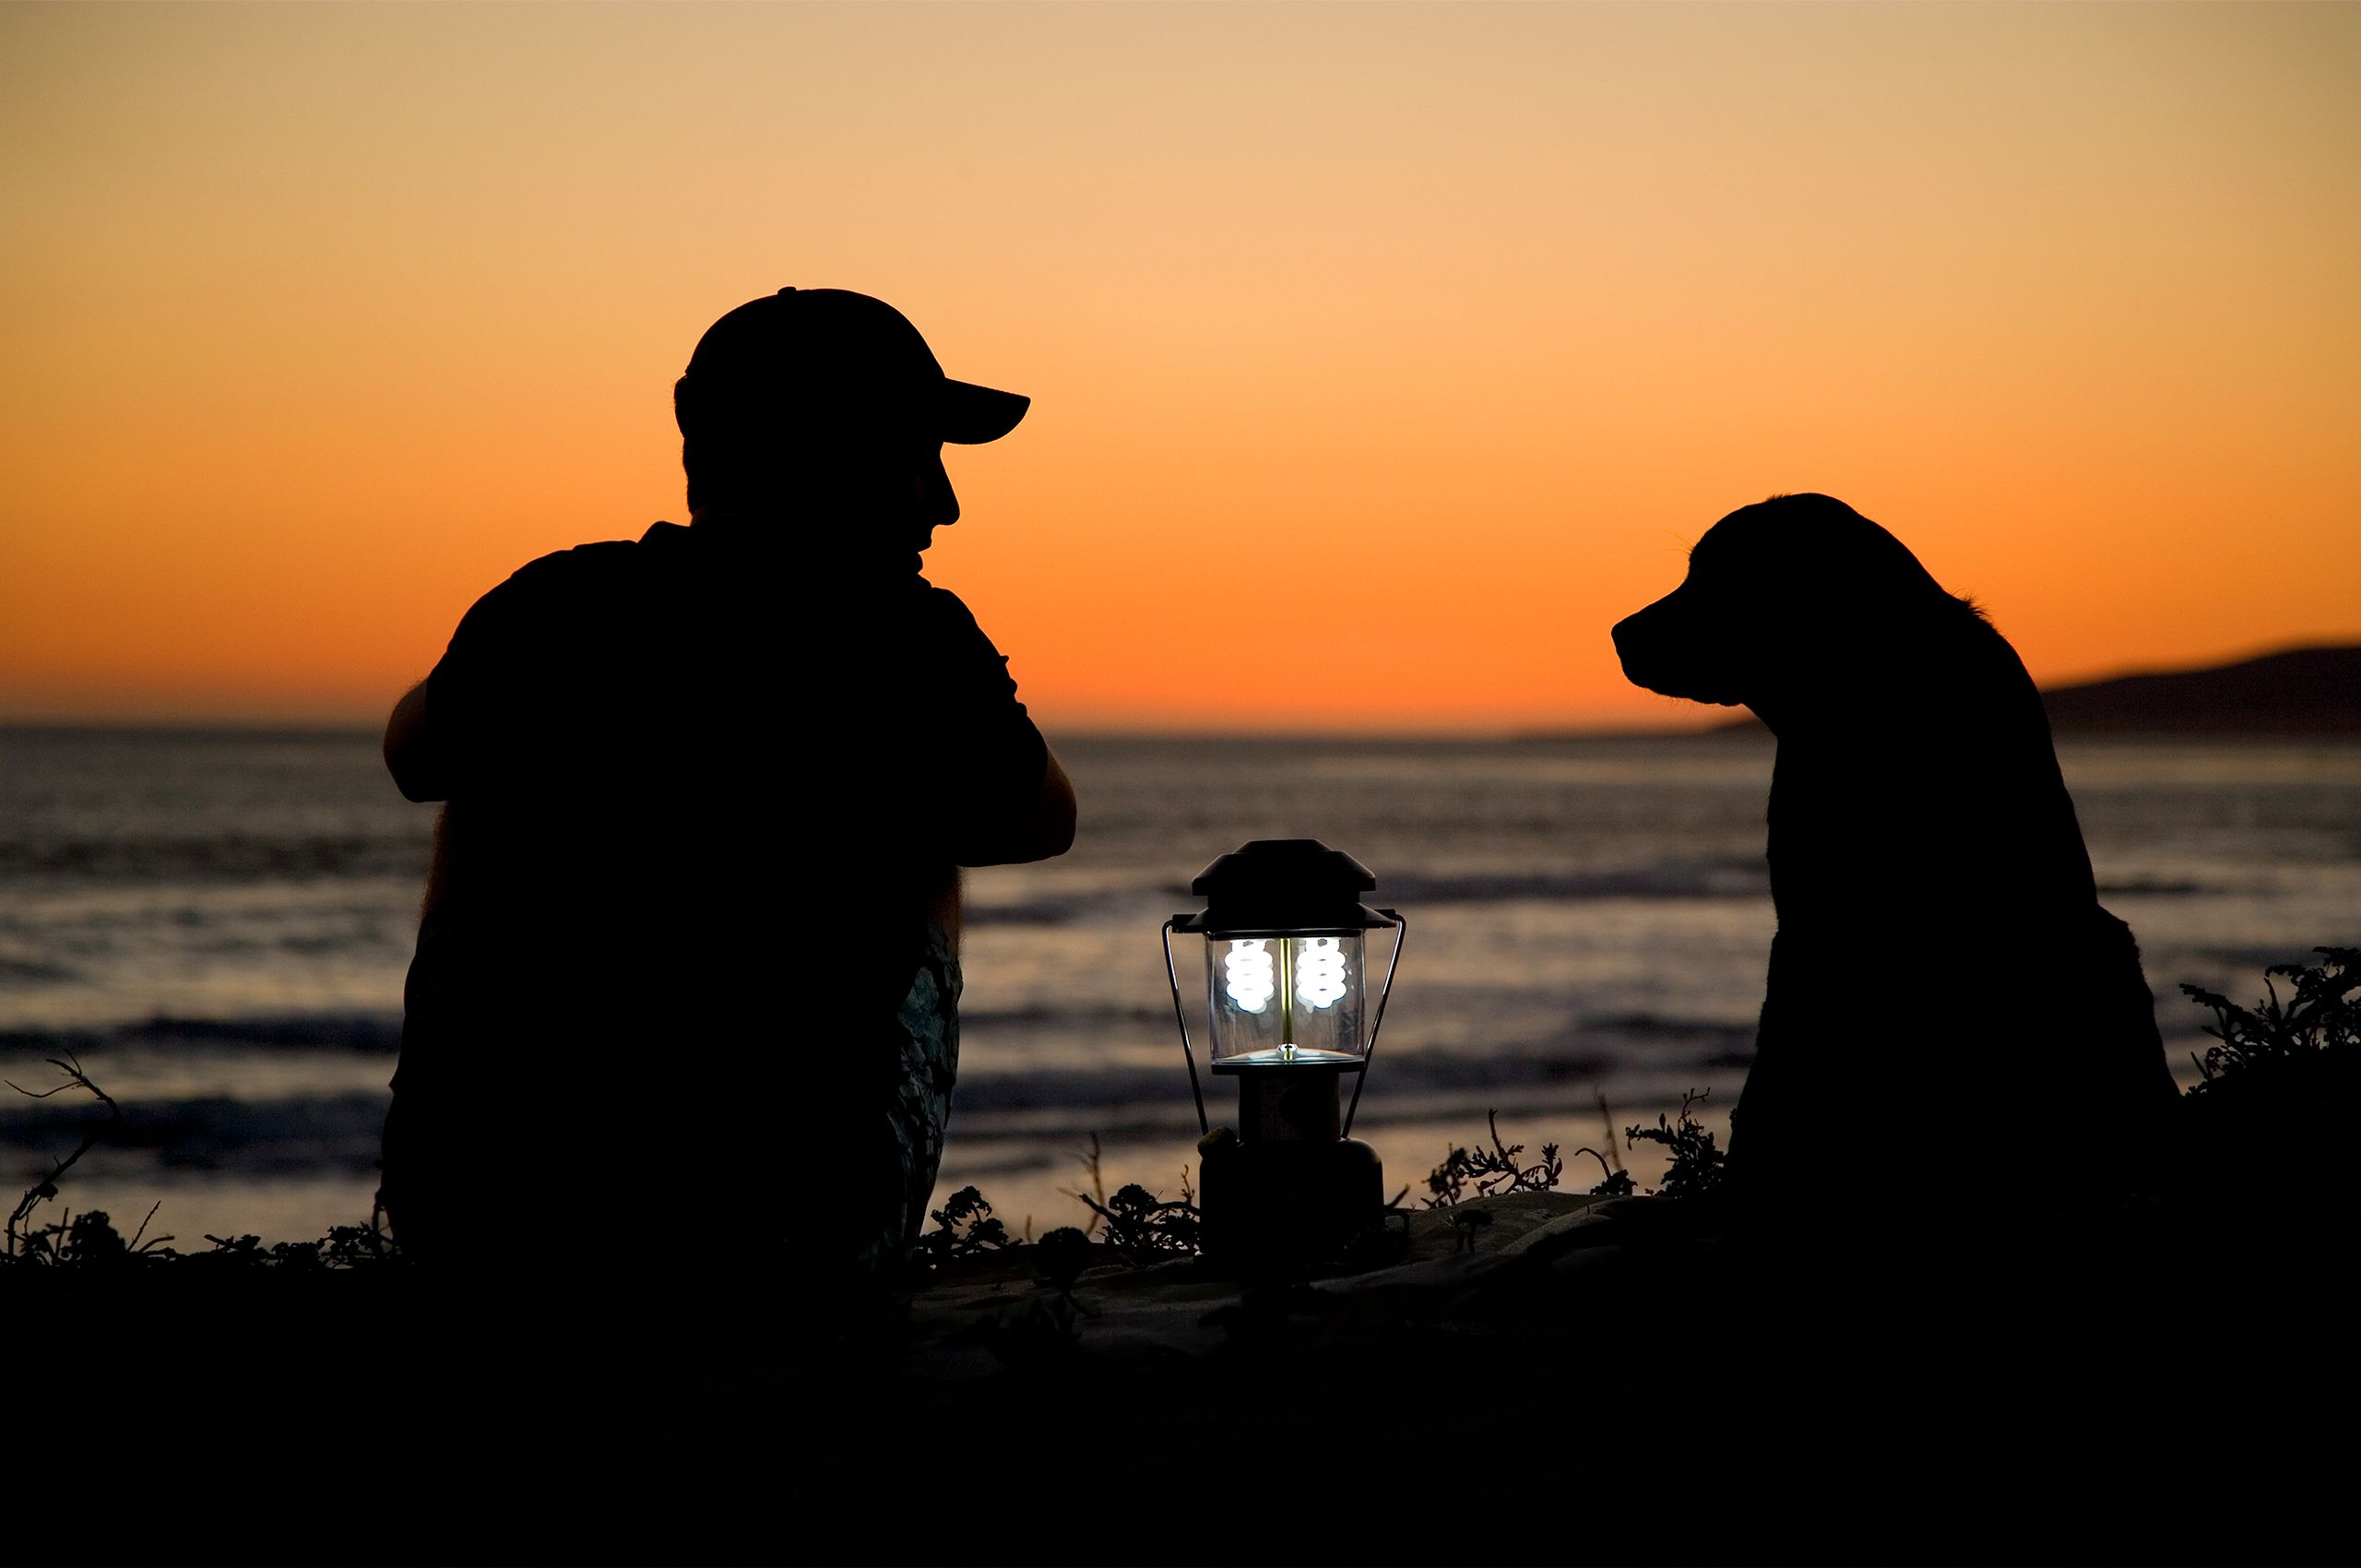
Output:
[[1046, 829], [410, 754]]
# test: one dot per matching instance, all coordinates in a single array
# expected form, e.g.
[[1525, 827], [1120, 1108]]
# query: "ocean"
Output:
[[216, 926]]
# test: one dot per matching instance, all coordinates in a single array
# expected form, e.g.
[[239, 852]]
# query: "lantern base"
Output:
[[1299, 1058], [1279, 1204], [1302, 1103]]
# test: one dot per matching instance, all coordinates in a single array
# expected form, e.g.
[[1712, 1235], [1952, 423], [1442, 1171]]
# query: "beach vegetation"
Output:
[[2272, 1071], [1144, 1228], [1490, 1172], [1697, 1167], [1501, 1168], [90, 1241], [1695, 1170], [963, 1226], [2278, 1035]]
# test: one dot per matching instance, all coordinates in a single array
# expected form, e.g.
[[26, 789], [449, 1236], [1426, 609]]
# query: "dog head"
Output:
[[1796, 597]]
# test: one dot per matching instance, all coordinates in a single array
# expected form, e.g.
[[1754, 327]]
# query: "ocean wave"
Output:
[[1672, 880], [1731, 880], [352, 1031], [33, 971], [1658, 1025], [1037, 911], [1411, 1073], [235, 857], [1034, 1089], [1589, 1037], [300, 1134], [1066, 1016]]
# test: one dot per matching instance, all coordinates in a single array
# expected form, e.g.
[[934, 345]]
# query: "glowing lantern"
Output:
[[1286, 994]]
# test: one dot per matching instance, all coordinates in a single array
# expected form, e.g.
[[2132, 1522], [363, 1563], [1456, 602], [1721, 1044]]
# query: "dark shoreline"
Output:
[[2003, 1390], [2296, 693]]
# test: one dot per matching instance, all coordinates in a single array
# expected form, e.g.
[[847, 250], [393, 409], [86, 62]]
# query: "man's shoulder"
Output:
[[611, 554], [599, 559]]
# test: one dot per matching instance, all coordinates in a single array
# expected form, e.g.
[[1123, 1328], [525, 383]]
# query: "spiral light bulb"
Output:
[[1247, 975], [1319, 971]]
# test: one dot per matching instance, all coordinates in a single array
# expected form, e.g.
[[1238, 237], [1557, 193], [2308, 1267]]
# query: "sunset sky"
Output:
[[1382, 357]]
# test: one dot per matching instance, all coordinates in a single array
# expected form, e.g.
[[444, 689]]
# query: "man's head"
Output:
[[827, 403]]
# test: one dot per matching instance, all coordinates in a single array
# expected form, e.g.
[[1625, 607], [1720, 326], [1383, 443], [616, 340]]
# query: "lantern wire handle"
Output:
[[1361, 1079], [1180, 1016]]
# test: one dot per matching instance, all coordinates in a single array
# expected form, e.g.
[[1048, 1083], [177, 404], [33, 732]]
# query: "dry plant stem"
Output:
[[1605, 1168], [71, 1065], [1089, 1162], [1606, 1125], [1519, 1176]]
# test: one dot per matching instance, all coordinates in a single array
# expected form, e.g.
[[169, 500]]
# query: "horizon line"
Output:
[[250, 725], [1718, 720]]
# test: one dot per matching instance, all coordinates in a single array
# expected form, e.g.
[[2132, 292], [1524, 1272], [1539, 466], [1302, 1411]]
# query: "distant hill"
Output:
[[2305, 691]]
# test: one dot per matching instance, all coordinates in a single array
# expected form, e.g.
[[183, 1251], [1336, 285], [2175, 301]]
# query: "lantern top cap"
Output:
[[1277, 885], [1293, 863]]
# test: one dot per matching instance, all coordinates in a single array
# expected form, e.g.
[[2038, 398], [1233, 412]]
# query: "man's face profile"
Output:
[[899, 490], [938, 505]]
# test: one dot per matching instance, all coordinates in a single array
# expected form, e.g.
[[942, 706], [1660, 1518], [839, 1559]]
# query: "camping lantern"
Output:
[[1286, 994]]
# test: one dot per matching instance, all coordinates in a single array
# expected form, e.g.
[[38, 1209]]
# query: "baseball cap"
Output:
[[831, 360]]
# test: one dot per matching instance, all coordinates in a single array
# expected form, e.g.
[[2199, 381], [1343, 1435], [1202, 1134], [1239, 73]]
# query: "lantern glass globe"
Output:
[[1288, 999]]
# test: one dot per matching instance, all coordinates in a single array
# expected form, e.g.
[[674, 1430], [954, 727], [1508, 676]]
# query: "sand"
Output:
[[1611, 1386]]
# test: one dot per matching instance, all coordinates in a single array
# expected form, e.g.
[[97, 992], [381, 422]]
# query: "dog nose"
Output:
[[1639, 646]]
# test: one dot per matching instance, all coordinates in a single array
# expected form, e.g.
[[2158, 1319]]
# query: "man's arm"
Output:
[[1044, 829], [410, 752]]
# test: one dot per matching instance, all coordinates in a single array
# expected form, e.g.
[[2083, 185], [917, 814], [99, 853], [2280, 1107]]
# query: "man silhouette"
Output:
[[688, 958]]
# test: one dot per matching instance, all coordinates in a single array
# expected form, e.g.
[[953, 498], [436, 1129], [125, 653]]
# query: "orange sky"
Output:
[[1382, 357]]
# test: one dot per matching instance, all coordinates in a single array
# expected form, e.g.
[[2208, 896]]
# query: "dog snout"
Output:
[[1677, 647], [1627, 637], [1639, 641]]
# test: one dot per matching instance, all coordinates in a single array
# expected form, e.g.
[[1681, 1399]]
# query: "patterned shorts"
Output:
[[928, 1040]]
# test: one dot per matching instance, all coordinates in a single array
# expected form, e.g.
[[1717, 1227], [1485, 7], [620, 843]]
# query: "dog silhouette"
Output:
[[1950, 1013]]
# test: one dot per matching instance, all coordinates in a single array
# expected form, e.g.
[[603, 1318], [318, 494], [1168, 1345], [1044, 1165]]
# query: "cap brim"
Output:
[[973, 415]]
